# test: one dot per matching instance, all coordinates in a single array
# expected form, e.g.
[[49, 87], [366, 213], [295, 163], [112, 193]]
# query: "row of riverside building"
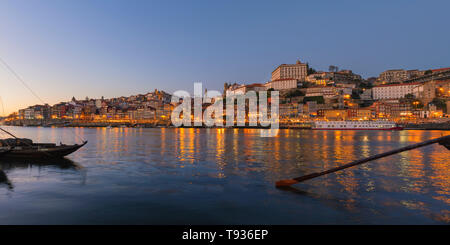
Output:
[[344, 95], [147, 107]]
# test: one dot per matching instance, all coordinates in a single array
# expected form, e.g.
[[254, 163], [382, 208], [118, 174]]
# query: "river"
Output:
[[226, 176]]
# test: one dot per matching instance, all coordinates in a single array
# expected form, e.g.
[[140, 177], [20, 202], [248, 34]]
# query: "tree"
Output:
[[410, 96], [417, 104], [306, 84], [365, 85], [225, 88], [439, 103], [427, 72], [355, 95], [333, 68], [311, 71], [318, 99], [295, 93], [269, 92]]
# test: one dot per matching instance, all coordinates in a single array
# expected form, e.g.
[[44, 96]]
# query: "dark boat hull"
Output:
[[54, 152]]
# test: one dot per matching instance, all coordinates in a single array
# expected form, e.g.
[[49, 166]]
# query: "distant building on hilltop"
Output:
[[324, 78], [398, 75]]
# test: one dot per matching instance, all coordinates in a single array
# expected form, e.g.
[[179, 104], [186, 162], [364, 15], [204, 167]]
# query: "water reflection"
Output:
[[293, 153], [211, 170], [4, 181], [61, 163], [7, 165]]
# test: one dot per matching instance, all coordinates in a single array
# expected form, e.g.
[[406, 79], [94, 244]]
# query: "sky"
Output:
[[120, 48]]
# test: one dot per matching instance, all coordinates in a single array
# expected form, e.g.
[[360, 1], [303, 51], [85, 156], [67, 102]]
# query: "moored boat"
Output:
[[356, 125], [19, 149], [26, 148]]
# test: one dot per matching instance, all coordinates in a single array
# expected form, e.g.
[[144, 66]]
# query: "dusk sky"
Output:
[[114, 48]]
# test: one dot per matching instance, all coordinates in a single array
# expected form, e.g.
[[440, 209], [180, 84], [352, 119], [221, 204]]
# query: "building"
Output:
[[393, 76], [443, 89], [366, 94], [245, 88], [282, 84], [392, 109], [399, 75], [425, 92], [297, 71], [290, 110], [393, 91], [360, 114], [318, 79], [326, 92], [335, 114], [343, 77], [414, 73]]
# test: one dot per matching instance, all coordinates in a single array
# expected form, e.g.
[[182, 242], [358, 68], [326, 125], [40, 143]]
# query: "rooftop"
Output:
[[400, 84]]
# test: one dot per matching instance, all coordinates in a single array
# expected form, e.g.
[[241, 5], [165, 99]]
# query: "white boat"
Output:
[[356, 125]]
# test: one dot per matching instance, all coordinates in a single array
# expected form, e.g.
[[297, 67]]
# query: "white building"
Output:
[[326, 92], [238, 89], [282, 84], [393, 91]]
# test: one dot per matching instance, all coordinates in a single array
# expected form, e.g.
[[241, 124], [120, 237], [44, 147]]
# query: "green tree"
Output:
[[439, 103], [410, 96], [365, 85], [311, 71], [355, 95], [295, 93], [318, 99]]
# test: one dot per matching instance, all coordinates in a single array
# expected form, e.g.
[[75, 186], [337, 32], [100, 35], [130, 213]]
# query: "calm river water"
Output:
[[226, 176]]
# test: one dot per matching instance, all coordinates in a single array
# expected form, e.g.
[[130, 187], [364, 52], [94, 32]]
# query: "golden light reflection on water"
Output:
[[301, 152], [416, 180]]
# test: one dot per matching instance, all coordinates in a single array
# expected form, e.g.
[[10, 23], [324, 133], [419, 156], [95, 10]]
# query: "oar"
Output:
[[445, 141], [9, 133]]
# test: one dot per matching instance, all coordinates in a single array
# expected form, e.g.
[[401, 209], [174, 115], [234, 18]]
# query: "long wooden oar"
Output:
[[445, 141], [9, 133]]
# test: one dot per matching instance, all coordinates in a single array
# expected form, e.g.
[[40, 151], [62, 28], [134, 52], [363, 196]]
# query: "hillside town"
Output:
[[403, 96]]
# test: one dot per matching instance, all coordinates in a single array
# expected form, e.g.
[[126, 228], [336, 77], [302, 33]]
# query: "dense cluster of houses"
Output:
[[143, 107], [304, 94]]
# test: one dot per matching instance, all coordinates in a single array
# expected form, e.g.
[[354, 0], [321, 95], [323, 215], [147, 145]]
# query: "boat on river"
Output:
[[26, 149], [356, 125]]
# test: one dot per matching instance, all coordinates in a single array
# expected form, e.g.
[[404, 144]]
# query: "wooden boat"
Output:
[[3, 152], [25, 148], [39, 150]]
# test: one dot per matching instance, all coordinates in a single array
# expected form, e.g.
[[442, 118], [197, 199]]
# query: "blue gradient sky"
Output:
[[113, 48]]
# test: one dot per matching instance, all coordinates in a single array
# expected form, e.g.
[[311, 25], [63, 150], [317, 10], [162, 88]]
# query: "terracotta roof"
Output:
[[283, 79], [441, 69], [254, 85]]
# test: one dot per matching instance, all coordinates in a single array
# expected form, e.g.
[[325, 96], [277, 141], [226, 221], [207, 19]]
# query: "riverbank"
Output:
[[166, 124], [426, 126]]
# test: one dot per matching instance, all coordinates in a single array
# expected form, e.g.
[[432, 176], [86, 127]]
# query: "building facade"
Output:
[[393, 91], [282, 84], [297, 71], [393, 76]]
